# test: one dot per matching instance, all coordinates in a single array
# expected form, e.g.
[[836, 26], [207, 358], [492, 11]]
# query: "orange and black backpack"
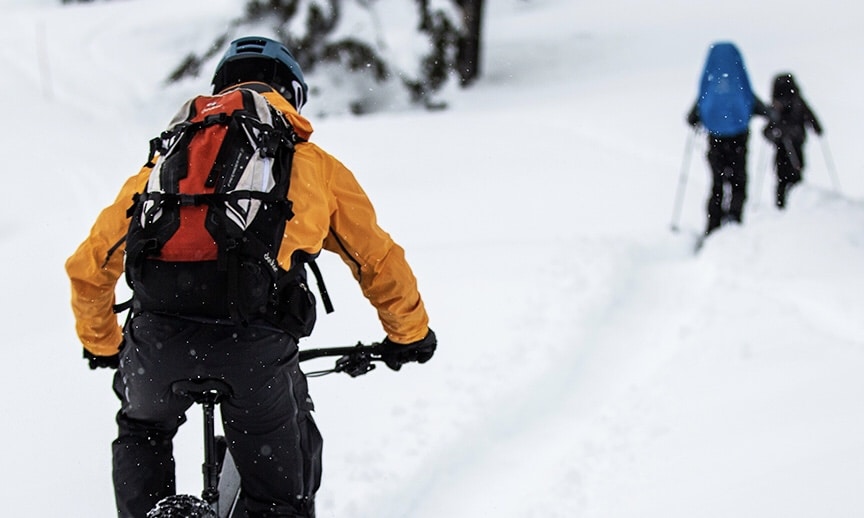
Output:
[[205, 233]]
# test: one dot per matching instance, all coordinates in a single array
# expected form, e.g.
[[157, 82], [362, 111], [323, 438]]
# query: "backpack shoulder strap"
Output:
[[322, 289]]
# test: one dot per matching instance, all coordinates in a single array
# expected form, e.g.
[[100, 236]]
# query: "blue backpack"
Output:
[[725, 96]]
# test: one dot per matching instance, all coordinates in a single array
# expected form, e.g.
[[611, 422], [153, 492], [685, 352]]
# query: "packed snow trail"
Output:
[[585, 354]]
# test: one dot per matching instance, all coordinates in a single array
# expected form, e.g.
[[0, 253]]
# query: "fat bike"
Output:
[[221, 497]]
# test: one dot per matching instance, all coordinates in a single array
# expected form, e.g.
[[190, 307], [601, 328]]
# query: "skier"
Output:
[[788, 132], [267, 422], [724, 107]]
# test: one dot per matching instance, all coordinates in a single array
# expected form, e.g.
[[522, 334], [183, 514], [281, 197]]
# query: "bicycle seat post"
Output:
[[208, 393]]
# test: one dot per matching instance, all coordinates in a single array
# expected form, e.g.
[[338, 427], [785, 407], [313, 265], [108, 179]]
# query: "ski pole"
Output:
[[682, 180], [829, 163]]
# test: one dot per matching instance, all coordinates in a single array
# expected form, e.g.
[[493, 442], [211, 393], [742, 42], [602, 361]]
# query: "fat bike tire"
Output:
[[182, 506]]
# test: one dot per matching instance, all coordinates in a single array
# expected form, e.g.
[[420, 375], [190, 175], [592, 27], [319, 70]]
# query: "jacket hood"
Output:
[[300, 123], [785, 87]]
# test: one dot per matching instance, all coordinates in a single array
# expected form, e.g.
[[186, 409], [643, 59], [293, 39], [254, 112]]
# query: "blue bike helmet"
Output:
[[254, 58]]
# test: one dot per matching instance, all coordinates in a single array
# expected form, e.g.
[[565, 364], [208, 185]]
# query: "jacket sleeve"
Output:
[[376, 261], [759, 108], [94, 269]]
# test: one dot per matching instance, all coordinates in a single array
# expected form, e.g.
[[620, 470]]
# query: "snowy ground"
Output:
[[589, 364]]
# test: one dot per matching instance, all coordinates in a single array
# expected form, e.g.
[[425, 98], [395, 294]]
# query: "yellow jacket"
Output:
[[331, 212]]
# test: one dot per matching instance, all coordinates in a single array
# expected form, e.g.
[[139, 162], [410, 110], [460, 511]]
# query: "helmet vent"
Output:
[[256, 46]]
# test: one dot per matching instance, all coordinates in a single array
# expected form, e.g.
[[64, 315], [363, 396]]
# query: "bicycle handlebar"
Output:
[[354, 360]]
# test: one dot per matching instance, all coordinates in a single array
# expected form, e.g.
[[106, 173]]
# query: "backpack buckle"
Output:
[[190, 199]]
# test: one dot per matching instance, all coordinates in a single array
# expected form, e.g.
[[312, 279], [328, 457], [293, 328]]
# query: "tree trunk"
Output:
[[468, 55]]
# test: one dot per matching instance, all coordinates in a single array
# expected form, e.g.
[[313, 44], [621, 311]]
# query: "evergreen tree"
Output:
[[348, 46]]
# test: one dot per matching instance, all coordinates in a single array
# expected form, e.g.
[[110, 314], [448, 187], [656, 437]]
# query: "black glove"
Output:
[[693, 122], [395, 355], [693, 117], [102, 362]]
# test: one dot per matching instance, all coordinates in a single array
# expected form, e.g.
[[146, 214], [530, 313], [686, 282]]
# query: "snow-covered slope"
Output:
[[590, 365]]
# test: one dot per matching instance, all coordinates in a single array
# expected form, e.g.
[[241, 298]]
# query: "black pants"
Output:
[[267, 422], [728, 159], [789, 162]]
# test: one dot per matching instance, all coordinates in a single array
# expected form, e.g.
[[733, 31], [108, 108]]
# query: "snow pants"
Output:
[[728, 159], [267, 421], [789, 163]]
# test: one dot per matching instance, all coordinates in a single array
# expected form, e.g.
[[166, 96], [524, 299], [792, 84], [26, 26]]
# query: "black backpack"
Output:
[[205, 233]]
